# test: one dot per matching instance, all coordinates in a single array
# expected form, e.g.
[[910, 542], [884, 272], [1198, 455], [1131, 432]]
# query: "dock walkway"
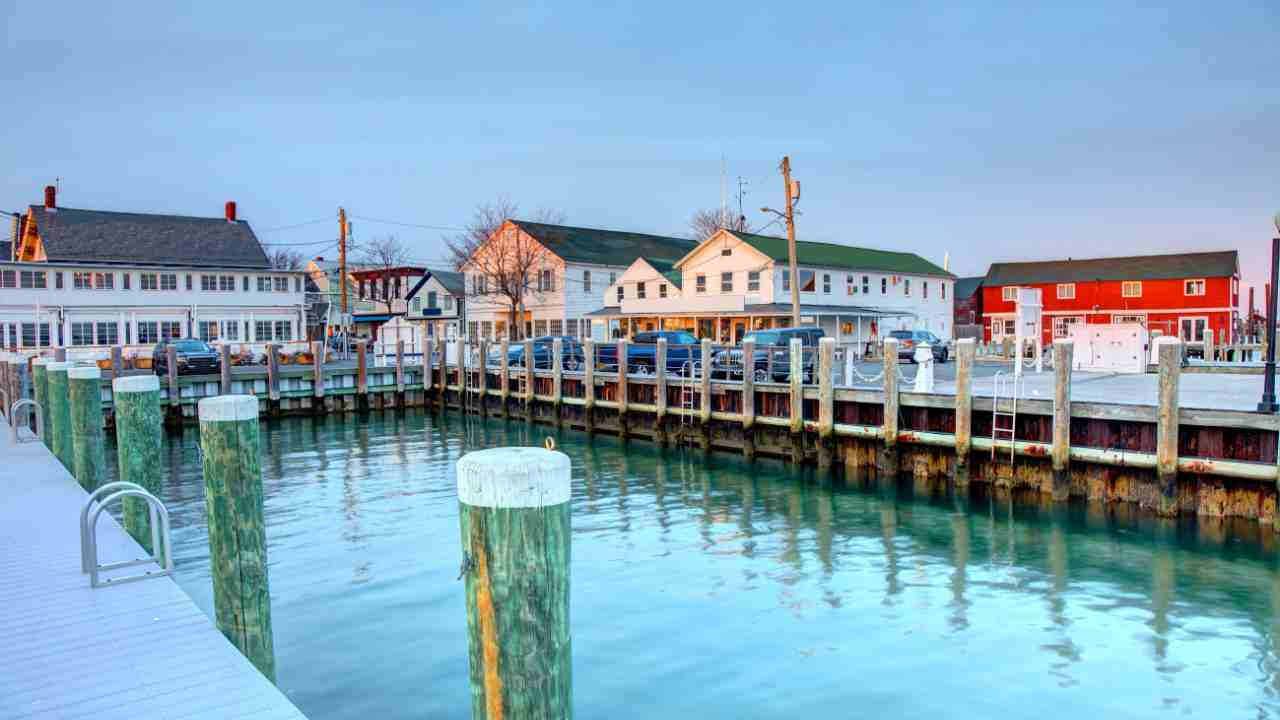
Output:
[[136, 650]]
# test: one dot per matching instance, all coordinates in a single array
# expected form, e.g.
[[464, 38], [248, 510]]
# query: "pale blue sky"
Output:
[[991, 132]]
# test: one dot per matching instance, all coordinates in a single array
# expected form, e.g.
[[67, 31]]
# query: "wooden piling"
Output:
[[229, 444], [704, 382], [138, 425], [748, 399], [59, 412], [529, 378], [175, 393], [273, 376], [1061, 450], [515, 528], [483, 397], [1169, 353], [888, 464], [117, 361], [40, 393], [966, 348], [589, 384], [400, 372], [660, 383], [795, 377], [317, 377], [504, 376], [224, 369], [84, 405], [362, 376], [60, 354], [826, 401], [463, 400], [442, 392], [622, 386], [557, 376]]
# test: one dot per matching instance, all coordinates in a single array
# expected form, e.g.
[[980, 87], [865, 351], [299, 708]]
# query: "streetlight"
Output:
[[1268, 403]]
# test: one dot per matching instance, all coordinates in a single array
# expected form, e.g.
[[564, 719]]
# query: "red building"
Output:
[[1177, 294], [968, 302]]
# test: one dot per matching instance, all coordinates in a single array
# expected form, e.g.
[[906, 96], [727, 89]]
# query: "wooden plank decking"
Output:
[[136, 650]]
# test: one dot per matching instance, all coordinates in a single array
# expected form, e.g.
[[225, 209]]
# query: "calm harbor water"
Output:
[[710, 587]]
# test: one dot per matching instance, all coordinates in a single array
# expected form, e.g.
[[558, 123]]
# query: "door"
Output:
[[1192, 329]]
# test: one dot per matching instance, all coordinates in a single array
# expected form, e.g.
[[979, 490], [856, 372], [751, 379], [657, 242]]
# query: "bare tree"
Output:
[[707, 222], [502, 269], [284, 259], [382, 255]]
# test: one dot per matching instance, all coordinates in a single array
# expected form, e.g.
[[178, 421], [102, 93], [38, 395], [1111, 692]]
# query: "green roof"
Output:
[[673, 277], [815, 254], [607, 247]]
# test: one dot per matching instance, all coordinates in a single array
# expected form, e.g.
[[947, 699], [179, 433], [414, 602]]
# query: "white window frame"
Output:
[[1131, 288], [1193, 319], [662, 290], [753, 281], [1065, 291], [726, 282], [1186, 289], [1009, 293], [1062, 322], [700, 284], [1140, 318], [641, 294]]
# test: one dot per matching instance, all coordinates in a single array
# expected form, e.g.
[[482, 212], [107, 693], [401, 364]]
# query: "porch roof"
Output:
[[761, 309]]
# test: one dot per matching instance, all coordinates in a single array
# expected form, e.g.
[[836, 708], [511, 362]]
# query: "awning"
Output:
[[381, 317]]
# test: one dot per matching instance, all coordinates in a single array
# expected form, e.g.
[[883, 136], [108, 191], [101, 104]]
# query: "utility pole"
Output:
[[792, 189], [342, 261]]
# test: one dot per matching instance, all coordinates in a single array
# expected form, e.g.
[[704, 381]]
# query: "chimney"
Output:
[[50, 198], [231, 211], [1250, 301]]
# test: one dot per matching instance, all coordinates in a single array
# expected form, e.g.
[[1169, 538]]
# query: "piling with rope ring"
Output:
[[59, 412], [514, 517], [139, 423], [84, 406]]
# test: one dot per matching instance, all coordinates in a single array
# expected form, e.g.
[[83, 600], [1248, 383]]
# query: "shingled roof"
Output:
[[834, 255], [1225, 263], [454, 282], [606, 247], [966, 287], [72, 235]]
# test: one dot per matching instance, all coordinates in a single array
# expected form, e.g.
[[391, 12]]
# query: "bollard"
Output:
[[117, 361], [40, 392], [514, 516], [59, 412], [1169, 352], [965, 350], [224, 369], [1061, 453], [229, 446], [273, 376], [826, 401], [138, 425], [924, 369], [84, 401]]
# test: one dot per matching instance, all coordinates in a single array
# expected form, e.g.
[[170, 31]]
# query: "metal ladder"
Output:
[[691, 370], [1008, 387]]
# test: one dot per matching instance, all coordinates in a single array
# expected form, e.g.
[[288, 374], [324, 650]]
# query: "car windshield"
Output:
[[683, 338], [764, 338], [901, 334], [190, 346]]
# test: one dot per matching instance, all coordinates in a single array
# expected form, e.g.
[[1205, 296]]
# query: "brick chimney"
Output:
[[50, 198], [231, 211]]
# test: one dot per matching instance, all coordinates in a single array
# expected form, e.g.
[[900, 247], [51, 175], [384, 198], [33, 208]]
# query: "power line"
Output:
[[294, 226], [408, 224], [299, 244]]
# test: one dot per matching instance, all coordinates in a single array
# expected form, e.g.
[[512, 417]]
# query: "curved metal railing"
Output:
[[39, 418], [162, 552]]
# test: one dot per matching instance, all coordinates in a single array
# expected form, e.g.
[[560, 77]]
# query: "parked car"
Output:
[[194, 357], [349, 343], [683, 348], [909, 339], [769, 344], [573, 358]]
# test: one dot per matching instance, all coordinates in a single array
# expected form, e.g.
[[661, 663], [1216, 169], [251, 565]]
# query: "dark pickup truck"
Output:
[[775, 344], [642, 352], [572, 357]]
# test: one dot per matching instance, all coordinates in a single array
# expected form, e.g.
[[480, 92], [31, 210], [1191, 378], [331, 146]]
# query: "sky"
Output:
[[986, 132]]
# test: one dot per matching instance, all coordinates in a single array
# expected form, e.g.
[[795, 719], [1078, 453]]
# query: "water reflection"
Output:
[[732, 584]]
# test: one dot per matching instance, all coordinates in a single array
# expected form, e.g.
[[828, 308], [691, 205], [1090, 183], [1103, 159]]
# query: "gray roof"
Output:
[[6, 250], [1136, 267], [454, 282], [606, 247], [966, 287], [71, 235]]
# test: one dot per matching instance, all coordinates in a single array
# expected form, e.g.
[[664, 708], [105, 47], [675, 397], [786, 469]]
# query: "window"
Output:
[[557, 327], [29, 334], [148, 281], [148, 333], [866, 284], [586, 328], [417, 304], [433, 298], [230, 330], [571, 328], [726, 282], [33, 280], [546, 281], [1009, 293], [539, 327], [168, 281], [264, 285], [1062, 325], [108, 333], [621, 293], [208, 283], [808, 280], [924, 289], [786, 281], [82, 280], [753, 281], [93, 280], [188, 282], [244, 283], [486, 329], [1066, 291], [944, 291], [700, 284], [479, 284], [640, 291], [586, 282], [171, 329], [81, 333], [262, 330], [662, 290], [1129, 319], [57, 277], [126, 277], [284, 328], [1193, 287], [473, 328], [297, 284], [884, 285], [726, 252], [826, 283], [613, 277], [281, 284], [208, 330], [1193, 328], [850, 287], [226, 283], [448, 303], [906, 287]]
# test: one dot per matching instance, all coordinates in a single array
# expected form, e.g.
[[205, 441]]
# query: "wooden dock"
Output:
[[136, 650]]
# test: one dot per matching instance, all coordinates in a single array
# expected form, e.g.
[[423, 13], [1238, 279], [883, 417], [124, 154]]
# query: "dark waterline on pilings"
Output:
[[706, 586]]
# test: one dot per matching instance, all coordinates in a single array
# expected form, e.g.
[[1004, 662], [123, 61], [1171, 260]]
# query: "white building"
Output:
[[568, 268], [734, 282], [90, 279], [438, 301]]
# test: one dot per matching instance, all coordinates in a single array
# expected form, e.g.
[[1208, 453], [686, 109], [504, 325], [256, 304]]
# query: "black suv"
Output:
[[194, 357], [729, 364], [909, 339]]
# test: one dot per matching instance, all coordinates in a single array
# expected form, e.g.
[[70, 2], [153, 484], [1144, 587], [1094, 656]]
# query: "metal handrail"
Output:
[[162, 551], [4, 405], [39, 415]]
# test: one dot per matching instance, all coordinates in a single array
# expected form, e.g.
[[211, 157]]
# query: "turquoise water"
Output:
[[716, 588]]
